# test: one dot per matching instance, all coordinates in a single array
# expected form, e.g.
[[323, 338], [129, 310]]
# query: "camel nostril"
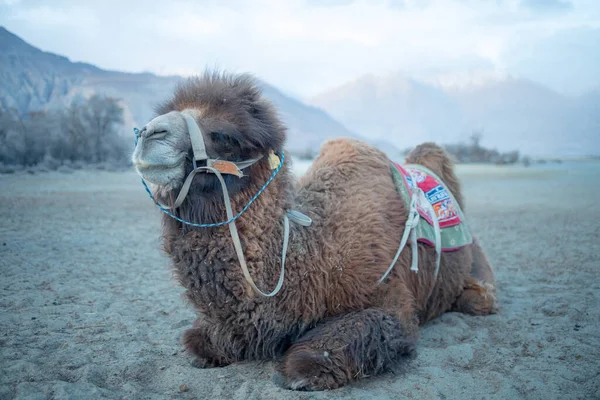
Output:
[[155, 133]]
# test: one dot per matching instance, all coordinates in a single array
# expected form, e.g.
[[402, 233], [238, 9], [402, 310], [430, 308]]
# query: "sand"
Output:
[[89, 309]]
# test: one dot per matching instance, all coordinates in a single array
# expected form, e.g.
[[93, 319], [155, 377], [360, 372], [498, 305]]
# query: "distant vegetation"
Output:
[[85, 134], [473, 152], [89, 134]]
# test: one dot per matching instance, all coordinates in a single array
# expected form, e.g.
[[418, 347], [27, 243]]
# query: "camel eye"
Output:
[[222, 139]]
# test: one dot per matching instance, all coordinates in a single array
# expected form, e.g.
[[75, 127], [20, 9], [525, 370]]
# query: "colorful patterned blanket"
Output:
[[454, 229]]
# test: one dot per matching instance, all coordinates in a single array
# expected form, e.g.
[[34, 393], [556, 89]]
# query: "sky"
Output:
[[308, 46]]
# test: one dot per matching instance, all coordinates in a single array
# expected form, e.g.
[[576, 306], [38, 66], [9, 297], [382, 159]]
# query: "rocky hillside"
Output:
[[31, 79]]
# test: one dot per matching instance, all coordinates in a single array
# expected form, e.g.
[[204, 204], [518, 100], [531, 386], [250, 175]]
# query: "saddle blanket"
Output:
[[454, 230]]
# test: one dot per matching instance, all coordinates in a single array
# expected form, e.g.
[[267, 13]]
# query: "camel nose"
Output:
[[163, 124], [152, 130]]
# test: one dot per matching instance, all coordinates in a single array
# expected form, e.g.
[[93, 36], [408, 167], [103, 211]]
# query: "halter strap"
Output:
[[238, 245], [199, 150], [196, 137]]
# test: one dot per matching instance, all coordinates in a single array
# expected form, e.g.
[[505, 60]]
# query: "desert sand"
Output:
[[89, 309]]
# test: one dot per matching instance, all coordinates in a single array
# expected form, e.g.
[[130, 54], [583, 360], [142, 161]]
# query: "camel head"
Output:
[[235, 124]]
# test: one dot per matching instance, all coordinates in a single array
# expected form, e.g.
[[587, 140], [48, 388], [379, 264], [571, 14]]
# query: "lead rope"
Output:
[[238, 245]]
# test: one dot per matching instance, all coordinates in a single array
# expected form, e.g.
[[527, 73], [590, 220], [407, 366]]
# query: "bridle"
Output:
[[220, 167]]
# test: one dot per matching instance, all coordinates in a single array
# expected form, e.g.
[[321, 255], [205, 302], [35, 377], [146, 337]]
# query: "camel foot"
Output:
[[203, 363], [478, 298], [197, 344]]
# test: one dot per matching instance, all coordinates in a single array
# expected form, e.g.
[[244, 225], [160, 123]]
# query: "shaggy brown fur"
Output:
[[332, 323]]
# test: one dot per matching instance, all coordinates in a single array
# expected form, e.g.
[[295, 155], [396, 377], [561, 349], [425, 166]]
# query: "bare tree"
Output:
[[86, 131], [102, 116], [475, 138], [8, 147]]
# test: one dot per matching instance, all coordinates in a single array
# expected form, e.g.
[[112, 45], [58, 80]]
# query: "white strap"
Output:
[[247, 163], [414, 266], [409, 226], [436, 229], [297, 217], [437, 233], [238, 245], [184, 189], [196, 137], [410, 230]]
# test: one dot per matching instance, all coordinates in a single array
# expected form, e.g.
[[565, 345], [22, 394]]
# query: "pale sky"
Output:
[[307, 46]]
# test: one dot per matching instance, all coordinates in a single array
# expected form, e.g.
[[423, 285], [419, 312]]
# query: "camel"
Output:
[[331, 318]]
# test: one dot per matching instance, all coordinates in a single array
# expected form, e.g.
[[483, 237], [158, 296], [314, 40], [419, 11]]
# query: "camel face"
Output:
[[160, 154], [236, 125]]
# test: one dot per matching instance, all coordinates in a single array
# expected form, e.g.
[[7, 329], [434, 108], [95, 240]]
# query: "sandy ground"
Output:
[[89, 309]]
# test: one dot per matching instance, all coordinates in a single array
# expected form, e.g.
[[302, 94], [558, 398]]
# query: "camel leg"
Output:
[[210, 347], [479, 296], [346, 348]]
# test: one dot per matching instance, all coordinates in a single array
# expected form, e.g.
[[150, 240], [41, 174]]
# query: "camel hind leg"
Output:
[[479, 295]]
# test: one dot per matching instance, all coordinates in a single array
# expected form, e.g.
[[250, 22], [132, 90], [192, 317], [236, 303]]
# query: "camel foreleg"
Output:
[[345, 348], [211, 347]]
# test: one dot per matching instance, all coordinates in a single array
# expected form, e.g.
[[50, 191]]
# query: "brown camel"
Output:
[[332, 322]]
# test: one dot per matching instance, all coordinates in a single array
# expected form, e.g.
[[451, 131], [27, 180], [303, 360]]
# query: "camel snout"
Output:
[[164, 125], [154, 130]]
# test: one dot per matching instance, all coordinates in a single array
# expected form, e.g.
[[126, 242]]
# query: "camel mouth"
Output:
[[162, 174], [143, 166]]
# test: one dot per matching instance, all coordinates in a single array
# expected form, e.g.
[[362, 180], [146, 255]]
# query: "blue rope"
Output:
[[262, 189]]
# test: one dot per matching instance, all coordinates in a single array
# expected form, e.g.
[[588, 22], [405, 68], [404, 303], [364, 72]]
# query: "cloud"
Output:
[[547, 6], [302, 46], [328, 3], [567, 61]]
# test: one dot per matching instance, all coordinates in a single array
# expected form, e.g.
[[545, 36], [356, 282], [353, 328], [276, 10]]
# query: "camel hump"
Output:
[[353, 151], [433, 157]]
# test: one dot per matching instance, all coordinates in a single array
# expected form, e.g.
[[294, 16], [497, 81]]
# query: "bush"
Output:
[[473, 152], [65, 169], [84, 134], [8, 169], [50, 163]]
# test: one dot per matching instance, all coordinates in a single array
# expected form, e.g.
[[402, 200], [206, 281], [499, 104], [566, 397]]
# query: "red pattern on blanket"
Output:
[[436, 194]]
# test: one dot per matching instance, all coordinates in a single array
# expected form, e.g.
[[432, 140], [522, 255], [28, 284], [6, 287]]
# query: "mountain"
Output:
[[513, 113], [400, 110], [31, 79], [308, 126]]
